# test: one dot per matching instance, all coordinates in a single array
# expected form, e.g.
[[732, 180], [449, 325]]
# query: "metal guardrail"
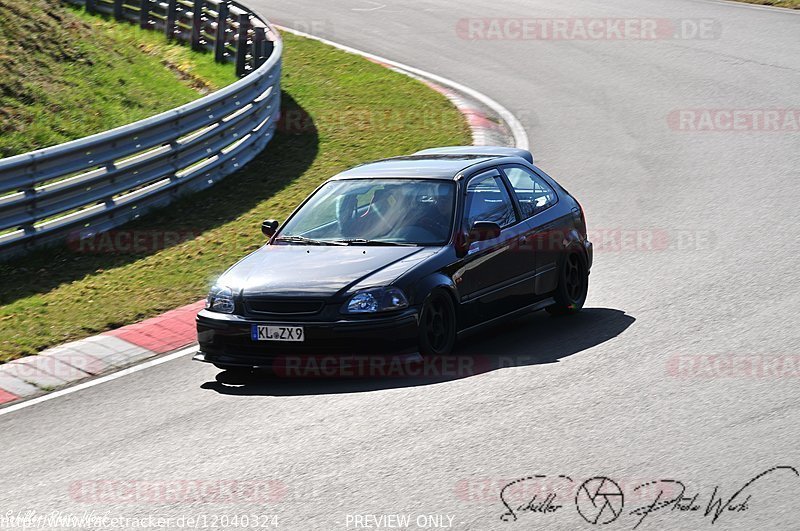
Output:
[[93, 184]]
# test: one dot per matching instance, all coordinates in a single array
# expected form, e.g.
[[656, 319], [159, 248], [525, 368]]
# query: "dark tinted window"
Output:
[[488, 200], [533, 193], [415, 211]]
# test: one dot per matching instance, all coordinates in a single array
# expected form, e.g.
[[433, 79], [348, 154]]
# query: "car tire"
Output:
[[437, 325], [236, 375], [573, 286], [234, 369]]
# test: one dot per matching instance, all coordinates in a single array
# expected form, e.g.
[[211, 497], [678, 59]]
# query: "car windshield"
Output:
[[374, 212]]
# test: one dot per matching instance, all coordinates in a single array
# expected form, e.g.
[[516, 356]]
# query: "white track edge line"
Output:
[[98, 381], [520, 141], [517, 130]]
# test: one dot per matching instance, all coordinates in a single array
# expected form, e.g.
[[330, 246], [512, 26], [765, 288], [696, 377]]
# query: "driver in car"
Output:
[[435, 213]]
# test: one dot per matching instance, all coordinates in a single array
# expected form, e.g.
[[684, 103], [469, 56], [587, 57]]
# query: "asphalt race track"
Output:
[[684, 366]]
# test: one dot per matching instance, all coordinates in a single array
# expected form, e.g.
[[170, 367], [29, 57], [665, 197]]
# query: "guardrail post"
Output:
[[144, 14], [28, 214], [262, 48], [197, 23], [118, 12], [241, 44], [222, 24], [169, 23], [30, 194]]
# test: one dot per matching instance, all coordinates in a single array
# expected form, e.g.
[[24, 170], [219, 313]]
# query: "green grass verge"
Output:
[[65, 74], [360, 111], [792, 4]]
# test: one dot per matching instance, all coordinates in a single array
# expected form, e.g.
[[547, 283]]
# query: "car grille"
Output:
[[278, 307]]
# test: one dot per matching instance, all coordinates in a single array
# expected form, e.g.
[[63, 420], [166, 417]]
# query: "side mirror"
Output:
[[484, 230], [269, 228]]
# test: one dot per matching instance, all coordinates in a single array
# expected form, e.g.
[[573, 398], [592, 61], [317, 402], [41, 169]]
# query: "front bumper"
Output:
[[226, 339]]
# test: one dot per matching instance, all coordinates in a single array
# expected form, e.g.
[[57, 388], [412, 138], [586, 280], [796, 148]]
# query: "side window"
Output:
[[488, 200], [533, 193]]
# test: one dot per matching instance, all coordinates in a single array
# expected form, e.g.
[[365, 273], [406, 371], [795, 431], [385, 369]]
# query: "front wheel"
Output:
[[235, 375], [573, 286], [235, 370], [437, 325]]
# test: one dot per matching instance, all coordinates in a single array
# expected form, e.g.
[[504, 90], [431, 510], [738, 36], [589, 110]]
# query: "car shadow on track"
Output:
[[531, 340]]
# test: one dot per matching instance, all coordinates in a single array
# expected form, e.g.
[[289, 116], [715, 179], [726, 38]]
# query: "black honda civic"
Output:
[[401, 257]]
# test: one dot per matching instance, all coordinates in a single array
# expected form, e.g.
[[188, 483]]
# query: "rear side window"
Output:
[[533, 193], [488, 200]]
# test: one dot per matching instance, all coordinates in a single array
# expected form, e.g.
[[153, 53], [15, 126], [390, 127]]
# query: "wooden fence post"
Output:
[[169, 22], [222, 24], [241, 44], [262, 48], [197, 23], [144, 14]]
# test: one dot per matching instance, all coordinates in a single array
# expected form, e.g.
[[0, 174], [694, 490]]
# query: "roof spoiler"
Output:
[[492, 151]]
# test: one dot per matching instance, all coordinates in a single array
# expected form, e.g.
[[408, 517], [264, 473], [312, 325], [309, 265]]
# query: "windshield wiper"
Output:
[[307, 241], [362, 241]]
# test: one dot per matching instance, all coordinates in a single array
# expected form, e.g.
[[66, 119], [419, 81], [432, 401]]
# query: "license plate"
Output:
[[277, 333]]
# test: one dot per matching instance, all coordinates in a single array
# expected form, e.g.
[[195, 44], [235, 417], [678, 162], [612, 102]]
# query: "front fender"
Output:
[[431, 282]]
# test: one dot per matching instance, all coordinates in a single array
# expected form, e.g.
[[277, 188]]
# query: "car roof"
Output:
[[490, 151], [415, 167], [439, 163]]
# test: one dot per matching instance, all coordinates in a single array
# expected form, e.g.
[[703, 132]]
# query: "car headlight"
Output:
[[376, 300], [220, 299]]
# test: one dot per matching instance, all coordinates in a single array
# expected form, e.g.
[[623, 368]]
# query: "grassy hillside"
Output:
[[65, 74], [339, 110]]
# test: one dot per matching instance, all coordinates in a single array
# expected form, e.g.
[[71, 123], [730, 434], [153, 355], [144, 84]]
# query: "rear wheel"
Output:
[[573, 285], [437, 325]]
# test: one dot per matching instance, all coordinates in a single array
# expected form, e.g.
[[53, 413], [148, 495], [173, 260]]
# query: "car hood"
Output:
[[310, 270]]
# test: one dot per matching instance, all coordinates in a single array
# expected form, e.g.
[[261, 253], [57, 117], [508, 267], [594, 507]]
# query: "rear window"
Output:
[[533, 193], [488, 200]]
